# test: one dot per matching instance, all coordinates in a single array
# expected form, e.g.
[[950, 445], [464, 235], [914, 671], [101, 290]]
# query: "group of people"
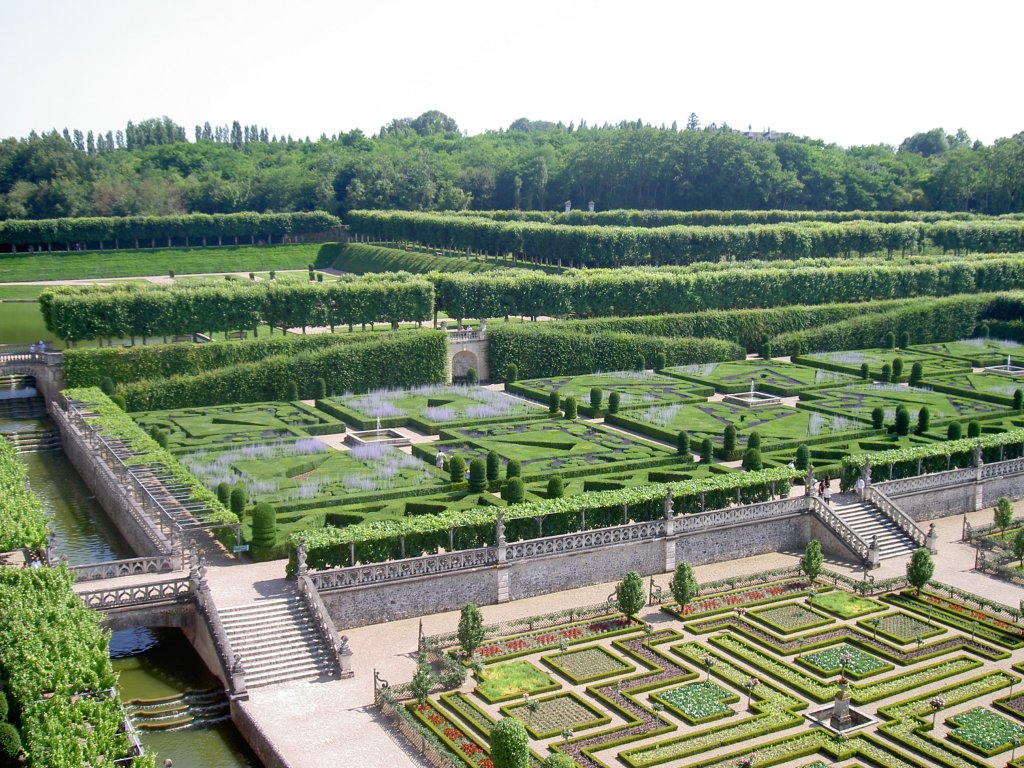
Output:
[[824, 490]]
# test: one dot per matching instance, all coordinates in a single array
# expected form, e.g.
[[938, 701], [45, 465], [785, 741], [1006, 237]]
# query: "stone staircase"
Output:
[[278, 641], [867, 521]]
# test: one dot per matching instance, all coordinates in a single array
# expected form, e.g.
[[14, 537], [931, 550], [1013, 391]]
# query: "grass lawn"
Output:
[[21, 323], [775, 377], [159, 261], [635, 388], [502, 682], [851, 361], [859, 400], [845, 605], [974, 351], [985, 383], [360, 258], [548, 446]]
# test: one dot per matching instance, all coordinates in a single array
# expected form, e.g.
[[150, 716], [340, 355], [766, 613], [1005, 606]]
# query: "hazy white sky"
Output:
[[849, 72]]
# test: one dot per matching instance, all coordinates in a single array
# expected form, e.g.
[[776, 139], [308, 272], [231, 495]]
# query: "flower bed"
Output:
[[984, 731], [551, 638], [553, 714], [844, 605], [899, 627], [503, 682], [698, 702], [587, 664], [790, 618], [830, 662], [462, 745], [741, 598], [962, 617]]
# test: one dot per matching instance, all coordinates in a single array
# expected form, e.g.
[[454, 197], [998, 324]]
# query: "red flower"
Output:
[[453, 734], [435, 718]]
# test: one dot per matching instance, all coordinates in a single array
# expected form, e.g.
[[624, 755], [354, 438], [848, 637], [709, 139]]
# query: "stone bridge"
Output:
[[46, 367]]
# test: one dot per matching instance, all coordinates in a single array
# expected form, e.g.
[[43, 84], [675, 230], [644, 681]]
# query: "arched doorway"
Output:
[[462, 362]]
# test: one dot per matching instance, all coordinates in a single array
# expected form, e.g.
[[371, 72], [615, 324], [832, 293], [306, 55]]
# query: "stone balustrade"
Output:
[[136, 566], [177, 590]]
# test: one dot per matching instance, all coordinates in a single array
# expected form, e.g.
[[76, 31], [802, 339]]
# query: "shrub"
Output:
[[754, 439], [916, 374], [904, 339], [477, 475], [683, 584], [571, 410], [471, 377], [639, 363], [803, 456], [1018, 399], [902, 420], [293, 391], [920, 568], [160, 436], [1003, 513], [514, 490], [170, 274], [707, 451], [120, 402], [238, 499], [728, 441], [559, 760], [457, 469], [886, 373], [493, 467], [554, 402], [766, 350], [273, 274], [812, 560], [319, 388], [923, 420], [513, 469], [509, 744], [511, 373], [107, 386], [954, 431], [471, 628], [973, 429], [4, 706], [877, 417], [890, 340], [752, 460], [630, 595], [613, 402], [264, 526], [224, 493], [556, 488], [897, 368], [660, 361], [865, 371], [10, 743], [595, 399], [683, 443], [985, 331]]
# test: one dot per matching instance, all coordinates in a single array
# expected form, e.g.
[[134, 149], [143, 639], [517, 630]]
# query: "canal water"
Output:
[[178, 705]]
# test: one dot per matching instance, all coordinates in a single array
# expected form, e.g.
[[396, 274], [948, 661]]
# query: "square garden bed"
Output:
[[636, 389], [697, 702], [829, 662], [551, 715], [789, 618], [511, 679], [773, 376], [588, 664], [985, 731]]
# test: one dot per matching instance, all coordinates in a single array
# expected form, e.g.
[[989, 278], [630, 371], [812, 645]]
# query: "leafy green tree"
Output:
[[752, 461], [511, 373], [683, 443], [954, 431], [865, 371], [812, 560], [493, 467], [920, 568], [514, 468], [1018, 399], [639, 363], [754, 439], [471, 377], [707, 451], [514, 490], [554, 402], [803, 456], [629, 594], [877, 417], [556, 487], [477, 475], [422, 681], [1003, 514], [916, 374], [471, 628], [457, 469], [766, 351], [613, 402], [728, 441], [684, 584], [238, 499], [596, 397], [886, 373], [1018, 547], [890, 340], [904, 339], [319, 388], [509, 744], [973, 429], [897, 369], [660, 361], [224, 493]]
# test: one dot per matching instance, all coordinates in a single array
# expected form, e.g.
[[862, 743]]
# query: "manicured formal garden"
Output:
[[775, 377], [634, 389], [851, 361], [859, 400], [720, 688], [978, 352]]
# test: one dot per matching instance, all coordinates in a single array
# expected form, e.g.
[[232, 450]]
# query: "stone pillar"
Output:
[[874, 559], [809, 481], [345, 658], [300, 556], [979, 488], [932, 541]]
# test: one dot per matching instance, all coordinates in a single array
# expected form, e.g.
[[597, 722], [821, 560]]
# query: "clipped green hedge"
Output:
[[22, 517], [88, 366], [378, 541], [934, 457], [543, 350], [403, 359], [115, 423], [50, 643]]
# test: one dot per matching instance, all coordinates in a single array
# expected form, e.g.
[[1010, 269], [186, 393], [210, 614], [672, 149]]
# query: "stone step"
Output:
[[303, 671], [266, 642], [264, 665], [269, 618]]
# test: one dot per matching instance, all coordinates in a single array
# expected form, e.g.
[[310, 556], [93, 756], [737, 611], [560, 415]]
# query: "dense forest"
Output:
[[425, 163]]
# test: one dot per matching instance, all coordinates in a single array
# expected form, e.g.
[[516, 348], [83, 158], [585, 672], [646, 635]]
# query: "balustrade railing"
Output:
[[748, 513], [902, 520], [176, 590], [855, 543], [29, 353], [598, 537], [927, 482], [136, 566], [309, 594], [395, 570], [1002, 468]]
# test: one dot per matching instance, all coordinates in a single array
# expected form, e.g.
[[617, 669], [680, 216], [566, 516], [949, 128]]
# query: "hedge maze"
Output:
[[719, 684]]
